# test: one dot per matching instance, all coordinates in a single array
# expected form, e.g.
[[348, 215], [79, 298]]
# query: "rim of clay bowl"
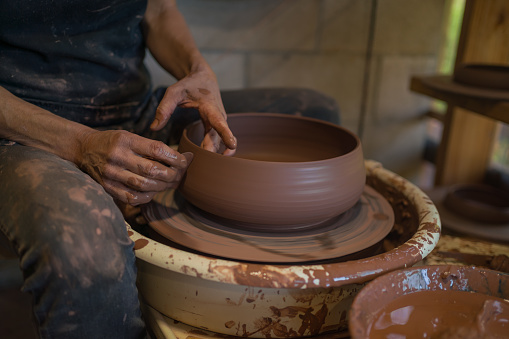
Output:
[[421, 278], [306, 276], [276, 163]]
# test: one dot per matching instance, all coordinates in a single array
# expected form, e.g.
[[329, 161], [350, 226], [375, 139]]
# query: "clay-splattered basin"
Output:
[[288, 171], [440, 301], [260, 300]]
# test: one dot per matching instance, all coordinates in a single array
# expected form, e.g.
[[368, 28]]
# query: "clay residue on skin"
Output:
[[204, 91], [189, 95]]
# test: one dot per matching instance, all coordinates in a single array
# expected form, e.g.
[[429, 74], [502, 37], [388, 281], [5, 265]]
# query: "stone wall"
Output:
[[323, 44]]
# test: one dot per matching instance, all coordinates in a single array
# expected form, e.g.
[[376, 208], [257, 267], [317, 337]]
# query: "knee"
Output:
[[79, 260], [79, 241]]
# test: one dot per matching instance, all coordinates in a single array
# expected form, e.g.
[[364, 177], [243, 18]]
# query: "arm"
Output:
[[170, 42], [132, 169]]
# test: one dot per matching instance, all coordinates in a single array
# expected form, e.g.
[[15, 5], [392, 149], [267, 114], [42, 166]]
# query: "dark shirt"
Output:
[[80, 59]]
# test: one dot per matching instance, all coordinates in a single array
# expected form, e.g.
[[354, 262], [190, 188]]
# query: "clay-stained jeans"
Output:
[[76, 257], [75, 254]]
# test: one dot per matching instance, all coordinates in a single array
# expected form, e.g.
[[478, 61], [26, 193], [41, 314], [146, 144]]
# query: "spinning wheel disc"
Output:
[[359, 228]]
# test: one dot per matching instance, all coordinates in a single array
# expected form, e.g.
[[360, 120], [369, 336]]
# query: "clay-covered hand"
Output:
[[199, 90], [131, 168]]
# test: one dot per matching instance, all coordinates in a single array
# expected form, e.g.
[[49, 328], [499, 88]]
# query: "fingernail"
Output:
[[234, 142], [189, 157], [155, 123]]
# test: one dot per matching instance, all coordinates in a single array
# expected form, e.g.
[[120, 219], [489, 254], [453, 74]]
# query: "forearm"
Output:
[[30, 125], [169, 40]]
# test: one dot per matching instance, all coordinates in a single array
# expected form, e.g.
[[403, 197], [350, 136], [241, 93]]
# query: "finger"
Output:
[[142, 174], [142, 184], [226, 135], [189, 157], [229, 152], [166, 107], [158, 151], [170, 176], [217, 121], [127, 195], [154, 170], [211, 141]]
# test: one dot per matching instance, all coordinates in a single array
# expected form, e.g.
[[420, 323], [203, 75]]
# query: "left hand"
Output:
[[199, 90]]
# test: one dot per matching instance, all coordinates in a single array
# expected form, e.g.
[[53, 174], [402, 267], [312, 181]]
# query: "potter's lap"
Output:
[[50, 205]]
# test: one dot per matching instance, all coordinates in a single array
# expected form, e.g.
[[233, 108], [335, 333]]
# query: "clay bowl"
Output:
[[264, 300], [288, 171], [479, 202], [483, 75], [440, 301]]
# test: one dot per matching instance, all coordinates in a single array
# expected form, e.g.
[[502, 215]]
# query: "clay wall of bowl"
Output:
[[322, 44]]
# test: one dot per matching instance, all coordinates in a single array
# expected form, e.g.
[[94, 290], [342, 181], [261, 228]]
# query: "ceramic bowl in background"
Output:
[[491, 76], [288, 171], [479, 202]]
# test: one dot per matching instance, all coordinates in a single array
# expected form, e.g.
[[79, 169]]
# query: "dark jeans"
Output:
[[76, 257]]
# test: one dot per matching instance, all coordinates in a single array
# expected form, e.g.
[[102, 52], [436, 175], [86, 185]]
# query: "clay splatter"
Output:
[[140, 243]]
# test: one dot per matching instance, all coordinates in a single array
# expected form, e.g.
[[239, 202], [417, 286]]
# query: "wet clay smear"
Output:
[[443, 314]]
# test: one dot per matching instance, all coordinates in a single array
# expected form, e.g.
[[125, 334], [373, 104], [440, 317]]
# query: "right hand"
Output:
[[131, 168]]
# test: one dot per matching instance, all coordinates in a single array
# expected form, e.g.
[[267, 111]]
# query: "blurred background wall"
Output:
[[360, 52]]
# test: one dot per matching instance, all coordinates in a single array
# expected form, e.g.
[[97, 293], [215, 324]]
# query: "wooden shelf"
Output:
[[489, 107], [470, 123]]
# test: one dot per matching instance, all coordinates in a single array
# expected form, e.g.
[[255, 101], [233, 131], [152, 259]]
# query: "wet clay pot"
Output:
[[288, 171], [440, 301], [261, 300]]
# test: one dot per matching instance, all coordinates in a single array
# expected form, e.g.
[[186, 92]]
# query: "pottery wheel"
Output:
[[359, 228]]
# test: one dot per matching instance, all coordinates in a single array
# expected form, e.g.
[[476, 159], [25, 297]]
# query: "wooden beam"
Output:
[[467, 139]]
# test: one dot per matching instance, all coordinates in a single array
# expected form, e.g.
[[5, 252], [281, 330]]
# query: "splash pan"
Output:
[[268, 300]]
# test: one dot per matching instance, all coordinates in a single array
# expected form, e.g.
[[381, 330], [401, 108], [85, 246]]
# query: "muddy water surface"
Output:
[[443, 314]]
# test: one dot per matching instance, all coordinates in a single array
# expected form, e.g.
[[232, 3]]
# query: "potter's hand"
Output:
[[131, 168], [199, 90]]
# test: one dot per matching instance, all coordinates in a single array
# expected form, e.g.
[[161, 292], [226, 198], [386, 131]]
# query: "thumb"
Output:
[[165, 109]]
